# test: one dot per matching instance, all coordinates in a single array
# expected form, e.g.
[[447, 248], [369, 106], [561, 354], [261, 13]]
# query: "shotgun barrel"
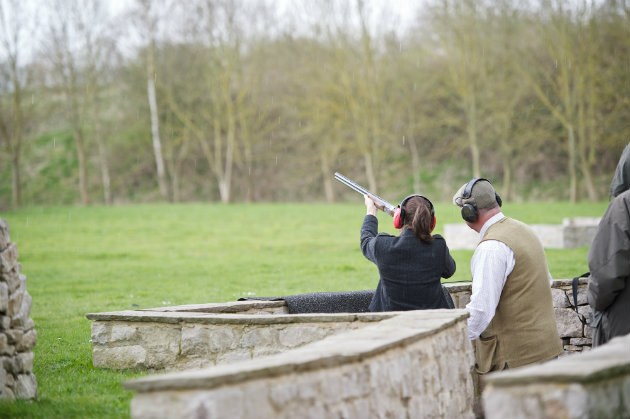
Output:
[[387, 207]]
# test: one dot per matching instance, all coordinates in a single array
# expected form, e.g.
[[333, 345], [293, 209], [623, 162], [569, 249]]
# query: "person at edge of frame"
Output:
[[411, 264], [512, 321], [608, 259]]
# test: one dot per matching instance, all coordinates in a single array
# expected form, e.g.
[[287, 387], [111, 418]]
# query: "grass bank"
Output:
[[80, 260]]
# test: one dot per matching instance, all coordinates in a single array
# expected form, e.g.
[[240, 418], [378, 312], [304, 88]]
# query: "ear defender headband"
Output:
[[399, 214], [469, 211]]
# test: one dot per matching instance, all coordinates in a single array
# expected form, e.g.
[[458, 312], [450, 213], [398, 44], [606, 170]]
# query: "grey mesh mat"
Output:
[[332, 302]]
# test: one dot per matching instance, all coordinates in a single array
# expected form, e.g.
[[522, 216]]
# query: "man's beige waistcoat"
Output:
[[523, 330]]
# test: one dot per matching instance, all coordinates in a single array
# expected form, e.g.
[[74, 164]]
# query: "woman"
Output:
[[411, 264]]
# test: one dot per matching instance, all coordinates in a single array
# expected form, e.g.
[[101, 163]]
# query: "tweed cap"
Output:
[[482, 195]]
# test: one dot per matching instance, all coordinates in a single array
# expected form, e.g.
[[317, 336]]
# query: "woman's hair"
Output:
[[418, 217]]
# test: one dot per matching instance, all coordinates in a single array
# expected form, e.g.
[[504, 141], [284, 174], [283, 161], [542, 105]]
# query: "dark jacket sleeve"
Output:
[[609, 254], [369, 231], [449, 265]]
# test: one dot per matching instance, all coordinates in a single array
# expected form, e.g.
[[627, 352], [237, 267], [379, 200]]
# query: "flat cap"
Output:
[[482, 195]]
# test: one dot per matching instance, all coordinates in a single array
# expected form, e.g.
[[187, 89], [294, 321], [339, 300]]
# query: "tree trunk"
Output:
[[104, 165], [328, 188], [15, 169], [472, 136], [369, 172], [83, 183], [155, 129], [572, 165], [507, 179], [16, 140], [415, 165]]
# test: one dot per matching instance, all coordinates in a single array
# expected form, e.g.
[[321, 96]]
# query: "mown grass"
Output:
[[81, 260]]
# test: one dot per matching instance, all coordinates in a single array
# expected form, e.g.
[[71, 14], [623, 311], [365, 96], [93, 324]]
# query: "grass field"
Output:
[[81, 260]]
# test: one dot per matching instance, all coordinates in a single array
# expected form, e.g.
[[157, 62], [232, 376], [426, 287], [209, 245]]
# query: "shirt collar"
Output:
[[492, 220]]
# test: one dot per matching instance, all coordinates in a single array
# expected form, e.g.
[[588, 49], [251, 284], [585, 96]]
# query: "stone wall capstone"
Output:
[[594, 384], [17, 333]]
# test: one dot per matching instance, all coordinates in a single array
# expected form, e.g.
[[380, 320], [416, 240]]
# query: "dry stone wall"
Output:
[[17, 333], [595, 384], [576, 336], [212, 334], [412, 364]]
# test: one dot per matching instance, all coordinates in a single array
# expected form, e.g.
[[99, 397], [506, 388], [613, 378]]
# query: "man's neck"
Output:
[[492, 219]]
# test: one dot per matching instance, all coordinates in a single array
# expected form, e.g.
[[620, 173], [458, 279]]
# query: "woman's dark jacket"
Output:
[[410, 269]]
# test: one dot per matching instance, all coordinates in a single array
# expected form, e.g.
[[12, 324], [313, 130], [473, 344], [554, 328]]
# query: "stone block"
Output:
[[16, 281], [5, 323], [8, 258], [282, 393], [5, 347], [6, 393], [3, 376], [579, 235], [9, 363], [234, 356], [121, 332], [222, 339], [568, 323], [100, 333], [195, 340], [29, 340], [294, 336], [265, 351], [5, 237], [560, 298], [4, 297], [15, 303], [582, 296], [588, 332], [25, 325], [24, 361], [257, 337], [14, 336], [20, 319], [120, 358], [25, 386]]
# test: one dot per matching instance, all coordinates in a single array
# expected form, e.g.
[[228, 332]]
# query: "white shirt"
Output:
[[490, 265]]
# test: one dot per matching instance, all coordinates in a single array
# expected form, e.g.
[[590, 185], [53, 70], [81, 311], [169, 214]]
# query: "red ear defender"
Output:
[[433, 223], [398, 222]]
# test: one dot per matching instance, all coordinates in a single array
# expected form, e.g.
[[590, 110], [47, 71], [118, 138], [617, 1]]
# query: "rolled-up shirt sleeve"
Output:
[[491, 264]]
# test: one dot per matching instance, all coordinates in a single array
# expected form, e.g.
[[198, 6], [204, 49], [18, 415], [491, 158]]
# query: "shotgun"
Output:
[[387, 207]]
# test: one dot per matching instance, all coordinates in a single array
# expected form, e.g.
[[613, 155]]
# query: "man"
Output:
[[609, 261], [512, 320]]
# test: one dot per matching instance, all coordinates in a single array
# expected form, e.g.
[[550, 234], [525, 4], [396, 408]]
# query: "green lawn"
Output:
[[81, 260]]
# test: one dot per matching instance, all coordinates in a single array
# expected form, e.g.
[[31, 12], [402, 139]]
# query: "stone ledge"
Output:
[[229, 307], [213, 318], [604, 362], [399, 328]]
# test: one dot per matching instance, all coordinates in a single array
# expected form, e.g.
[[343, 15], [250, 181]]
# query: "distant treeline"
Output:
[[235, 100]]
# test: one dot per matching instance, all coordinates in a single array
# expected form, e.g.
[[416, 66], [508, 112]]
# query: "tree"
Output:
[[61, 50], [147, 19], [14, 25], [460, 28]]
